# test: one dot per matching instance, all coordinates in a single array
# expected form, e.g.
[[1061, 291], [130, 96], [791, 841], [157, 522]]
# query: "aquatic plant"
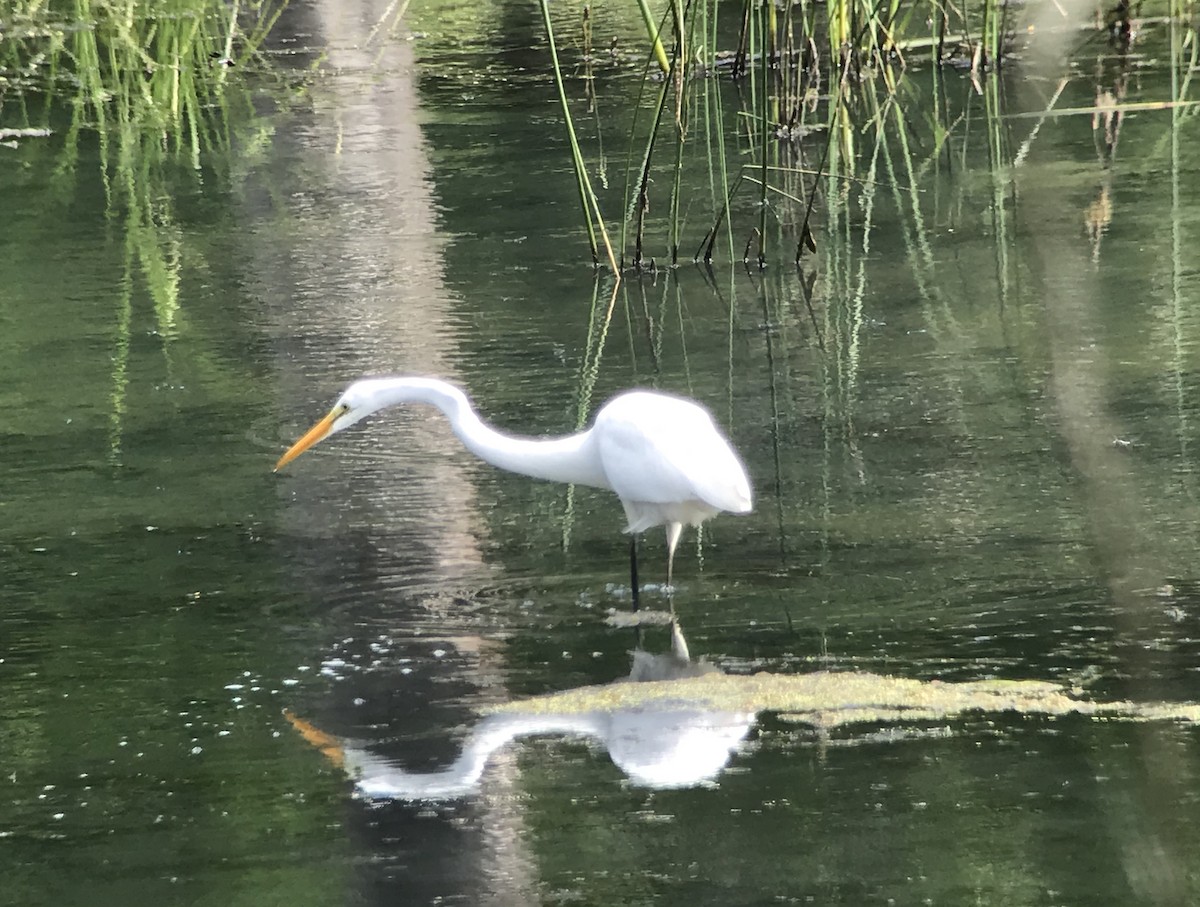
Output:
[[817, 86]]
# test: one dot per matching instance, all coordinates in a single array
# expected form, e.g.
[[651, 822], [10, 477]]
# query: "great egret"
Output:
[[663, 455]]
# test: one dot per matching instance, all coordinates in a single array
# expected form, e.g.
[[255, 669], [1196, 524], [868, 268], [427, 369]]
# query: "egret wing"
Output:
[[660, 449]]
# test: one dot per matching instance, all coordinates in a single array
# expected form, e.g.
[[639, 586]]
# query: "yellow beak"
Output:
[[317, 433]]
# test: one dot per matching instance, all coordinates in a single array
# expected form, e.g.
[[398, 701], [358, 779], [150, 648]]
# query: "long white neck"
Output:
[[379, 779], [572, 458]]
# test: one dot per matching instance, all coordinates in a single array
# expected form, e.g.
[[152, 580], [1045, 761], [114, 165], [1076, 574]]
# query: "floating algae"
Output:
[[828, 699], [675, 722]]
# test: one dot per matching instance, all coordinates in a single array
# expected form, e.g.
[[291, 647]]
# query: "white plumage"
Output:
[[667, 461], [662, 455]]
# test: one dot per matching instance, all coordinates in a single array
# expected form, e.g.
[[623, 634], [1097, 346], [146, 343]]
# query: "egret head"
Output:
[[357, 402]]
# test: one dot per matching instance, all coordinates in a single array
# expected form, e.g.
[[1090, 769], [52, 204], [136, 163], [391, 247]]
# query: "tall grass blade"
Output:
[[593, 220]]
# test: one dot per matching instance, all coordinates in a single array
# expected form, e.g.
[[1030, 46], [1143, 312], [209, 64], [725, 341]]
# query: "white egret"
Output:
[[662, 455]]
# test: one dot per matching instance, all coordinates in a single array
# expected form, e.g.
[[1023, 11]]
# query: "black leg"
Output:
[[633, 579]]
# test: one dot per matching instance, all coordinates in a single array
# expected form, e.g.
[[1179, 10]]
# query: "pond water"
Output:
[[974, 459]]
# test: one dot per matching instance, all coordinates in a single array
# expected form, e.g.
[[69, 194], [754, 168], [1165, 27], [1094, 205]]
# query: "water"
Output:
[[978, 464]]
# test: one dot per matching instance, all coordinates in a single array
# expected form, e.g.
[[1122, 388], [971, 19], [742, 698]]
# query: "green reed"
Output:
[[800, 74], [592, 216]]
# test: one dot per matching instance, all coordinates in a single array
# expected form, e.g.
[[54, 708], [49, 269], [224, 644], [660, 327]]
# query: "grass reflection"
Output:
[[151, 85]]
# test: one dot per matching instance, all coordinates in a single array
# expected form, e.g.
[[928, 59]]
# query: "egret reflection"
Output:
[[663, 743], [676, 723]]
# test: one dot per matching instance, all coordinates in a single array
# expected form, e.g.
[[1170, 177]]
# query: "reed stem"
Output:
[[592, 217]]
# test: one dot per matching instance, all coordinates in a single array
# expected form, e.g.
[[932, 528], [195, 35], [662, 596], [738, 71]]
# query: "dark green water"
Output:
[[975, 459]]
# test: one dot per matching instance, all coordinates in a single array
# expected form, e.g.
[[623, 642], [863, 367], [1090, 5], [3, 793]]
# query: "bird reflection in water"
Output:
[[659, 744]]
